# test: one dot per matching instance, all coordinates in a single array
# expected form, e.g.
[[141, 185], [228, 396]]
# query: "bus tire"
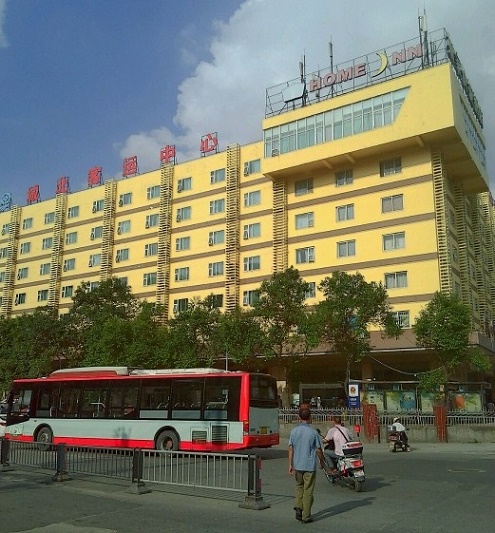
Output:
[[167, 440], [44, 437]]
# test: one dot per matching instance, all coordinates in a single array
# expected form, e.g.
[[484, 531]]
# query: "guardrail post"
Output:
[[5, 454], [61, 463], [254, 499], [137, 485]]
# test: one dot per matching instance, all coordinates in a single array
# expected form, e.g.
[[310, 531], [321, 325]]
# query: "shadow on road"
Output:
[[341, 508]]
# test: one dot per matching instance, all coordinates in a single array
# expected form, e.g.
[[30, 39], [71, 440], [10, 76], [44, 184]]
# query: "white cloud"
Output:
[[3, 37], [264, 40]]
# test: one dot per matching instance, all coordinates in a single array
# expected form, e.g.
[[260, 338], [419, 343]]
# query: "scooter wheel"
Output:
[[358, 485]]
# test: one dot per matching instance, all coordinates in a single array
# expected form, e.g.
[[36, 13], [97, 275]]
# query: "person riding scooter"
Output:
[[400, 429]]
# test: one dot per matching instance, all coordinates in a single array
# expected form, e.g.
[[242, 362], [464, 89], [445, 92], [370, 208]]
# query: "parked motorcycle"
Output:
[[350, 467], [397, 441]]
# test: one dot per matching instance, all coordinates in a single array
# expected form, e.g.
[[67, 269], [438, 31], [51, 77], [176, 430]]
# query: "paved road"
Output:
[[438, 488]]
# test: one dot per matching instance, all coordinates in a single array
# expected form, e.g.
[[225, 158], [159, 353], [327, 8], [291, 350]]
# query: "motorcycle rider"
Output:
[[339, 435], [400, 429]]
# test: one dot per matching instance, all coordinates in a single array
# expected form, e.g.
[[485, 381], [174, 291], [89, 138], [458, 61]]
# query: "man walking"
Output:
[[304, 450]]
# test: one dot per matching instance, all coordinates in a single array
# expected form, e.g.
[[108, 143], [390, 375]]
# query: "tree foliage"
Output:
[[350, 306], [443, 327]]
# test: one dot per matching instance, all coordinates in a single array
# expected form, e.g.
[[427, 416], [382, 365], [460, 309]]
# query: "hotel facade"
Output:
[[376, 166]]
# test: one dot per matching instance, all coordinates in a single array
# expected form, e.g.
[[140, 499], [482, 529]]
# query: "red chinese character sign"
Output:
[[130, 166], [94, 177], [63, 185], [167, 154], [33, 194], [209, 143]]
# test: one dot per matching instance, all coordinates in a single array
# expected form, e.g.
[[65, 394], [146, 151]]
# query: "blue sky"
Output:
[[89, 82]]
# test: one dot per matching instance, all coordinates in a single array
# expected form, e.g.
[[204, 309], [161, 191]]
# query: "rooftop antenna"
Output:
[[330, 50], [423, 39], [302, 71]]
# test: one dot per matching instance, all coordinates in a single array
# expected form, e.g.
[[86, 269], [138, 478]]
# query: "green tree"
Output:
[[285, 321], [350, 307], [443, 327]]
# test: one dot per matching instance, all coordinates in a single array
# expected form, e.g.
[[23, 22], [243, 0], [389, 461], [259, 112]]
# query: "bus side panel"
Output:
[[263, 427]]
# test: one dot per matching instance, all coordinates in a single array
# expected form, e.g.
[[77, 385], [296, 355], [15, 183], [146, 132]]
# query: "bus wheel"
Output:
[[45, 438], [167, 440]]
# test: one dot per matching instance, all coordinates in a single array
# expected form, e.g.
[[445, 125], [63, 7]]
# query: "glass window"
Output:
[[71, 238], [96, 232], [311, 292], [252, 230], [396, 280], [394, 241], [305, 255], [125, 199], [217, 175], [303, 187], [94, 260], [73, 211], [182, 274], [155, 399], [27, 223], [151, 249], [187, 398], [20, 298], [25, 247], [180, 305], [123, 226], [49, 218], [43, 295], [251, 167], [149, 278], [94, 400], [346, 248], [344, 177], [183, 213], [345, 212], [252, 263], [69, 264], [250, 297], [390, 166], [98, 205], [252, 198], [222, 398], [305, 220], [184, 184], [182, 243], [44, 269], [67, 291], [215, 269], [392, 203], [217, 206], [122, 255], [402, 318], [123, 400], [47, 243], [152, 221], [22, 273], [216, 237], [153, 192]]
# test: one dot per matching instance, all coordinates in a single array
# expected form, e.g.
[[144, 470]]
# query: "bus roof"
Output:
[[114, 371]]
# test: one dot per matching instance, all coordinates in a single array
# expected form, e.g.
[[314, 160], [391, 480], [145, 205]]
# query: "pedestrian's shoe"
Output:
[[298, 513], [307, 521]]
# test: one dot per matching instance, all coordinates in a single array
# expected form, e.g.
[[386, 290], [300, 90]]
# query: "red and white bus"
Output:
[[181, 409]]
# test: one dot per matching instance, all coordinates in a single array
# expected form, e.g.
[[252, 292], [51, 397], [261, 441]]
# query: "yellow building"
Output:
[[377, 166]]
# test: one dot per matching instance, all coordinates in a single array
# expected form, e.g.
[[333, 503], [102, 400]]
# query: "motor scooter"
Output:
[[350, 467], [397, 441]]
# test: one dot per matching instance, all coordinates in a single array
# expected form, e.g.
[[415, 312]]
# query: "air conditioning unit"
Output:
[[179, 187], [90, 263], [3, 231], [119, 230], [246, 234], [95, 207], [176, 309], [92, 236], [246, 169], [117, 258], [311, 260], [274, 152], [16, 301], [245, 300], [210, 241], [65, 268], [178, 218], [19, 275], [147, 225], [121, 203]]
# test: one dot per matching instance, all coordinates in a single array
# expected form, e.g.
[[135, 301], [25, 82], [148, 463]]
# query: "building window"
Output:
[[180, 305], [252, 198], [396, 280], [344, 177], [43, 295], [69, 264], [27, 223], [217, 206], [251, 167], [96, 233], [73, 212], [305, 220], [25, 247], [123, 227], [94, 260], [47, 243], [44, 269], [182, 243], [4, 253], [250, 297], [394, 241], [346, 248], [20, 298], [455, 255], [216, 237], [390, 166], [71, 238], [152, 221], [2, 276], [305, 255], [216, 300], [98, 205], [5, 229], [149, 279], [93, 285], [183, 213], [153, 192], [392, 203], [122, 255], [215, 269], [151, 249], [182, 274], [311, 292], [303, 187], [252, 230], [184, 184], [67, 291], [217, 175], [402, 318], [345, 212], [22, 273], [123, 281], [49, 218], [252, 263], [125, 199]]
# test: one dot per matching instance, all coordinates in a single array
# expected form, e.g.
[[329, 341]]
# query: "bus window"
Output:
[[46, 401], [70, 394], [187, 398], [94, 400], [155, 399], [123, 400], [263, 391], [19, 405], [222, 398]]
